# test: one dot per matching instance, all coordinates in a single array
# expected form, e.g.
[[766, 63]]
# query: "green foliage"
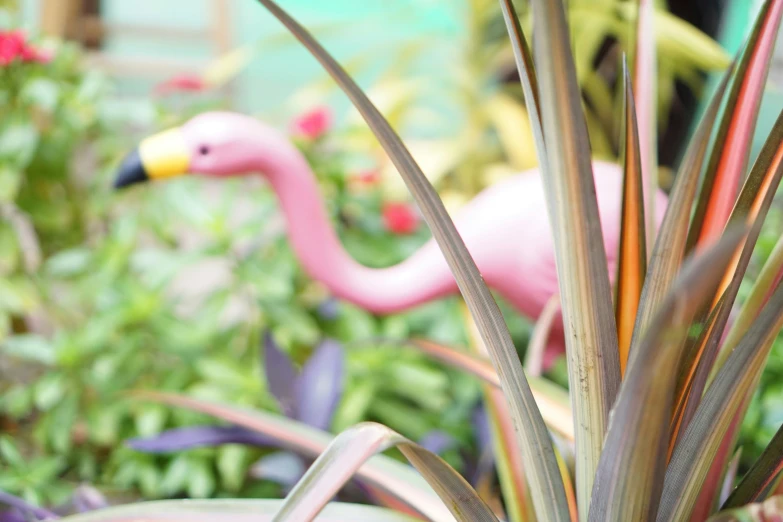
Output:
[[110, 307]]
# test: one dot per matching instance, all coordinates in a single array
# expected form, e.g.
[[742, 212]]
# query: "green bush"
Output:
[[107, 308]]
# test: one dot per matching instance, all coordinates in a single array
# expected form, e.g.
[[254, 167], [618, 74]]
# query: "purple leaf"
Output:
[[486, 451], [280, 375], [328, 309], [482, 429], [320, 385], [437, 442], [87, 498], [23, 507], [284, 468], [13, 515], [198, 436]]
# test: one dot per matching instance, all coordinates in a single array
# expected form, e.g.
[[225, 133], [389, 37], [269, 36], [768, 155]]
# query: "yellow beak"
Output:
[[163, 155]]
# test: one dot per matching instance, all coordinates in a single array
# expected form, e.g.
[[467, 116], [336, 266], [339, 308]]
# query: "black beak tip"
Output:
[[131, 171]]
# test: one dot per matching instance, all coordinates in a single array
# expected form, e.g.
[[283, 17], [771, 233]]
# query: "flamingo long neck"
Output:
[[421, 278]]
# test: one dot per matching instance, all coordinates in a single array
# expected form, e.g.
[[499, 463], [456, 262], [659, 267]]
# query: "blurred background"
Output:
[[176, 288]]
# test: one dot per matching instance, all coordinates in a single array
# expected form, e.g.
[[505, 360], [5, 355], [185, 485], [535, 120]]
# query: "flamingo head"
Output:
[[213, 143]]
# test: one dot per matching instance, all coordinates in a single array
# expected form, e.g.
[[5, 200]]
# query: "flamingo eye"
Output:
[[203, 150]]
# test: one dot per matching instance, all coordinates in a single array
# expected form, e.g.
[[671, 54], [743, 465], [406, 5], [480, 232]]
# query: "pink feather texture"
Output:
[[506, 227]]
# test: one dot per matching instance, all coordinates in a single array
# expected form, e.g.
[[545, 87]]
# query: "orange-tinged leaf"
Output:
[[632, 259], [630, 474], [670, 244]]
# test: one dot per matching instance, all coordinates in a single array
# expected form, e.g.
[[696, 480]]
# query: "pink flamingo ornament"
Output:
[[506, 227]]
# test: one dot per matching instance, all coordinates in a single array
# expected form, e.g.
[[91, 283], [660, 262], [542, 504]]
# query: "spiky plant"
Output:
[[656, 388]]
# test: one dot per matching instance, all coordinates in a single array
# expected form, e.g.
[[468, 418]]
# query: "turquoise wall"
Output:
[[349, 29]]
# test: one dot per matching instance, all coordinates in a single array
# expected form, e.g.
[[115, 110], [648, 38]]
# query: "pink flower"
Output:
[[181, 83], [12, 46], [312, 124], [400, 218]]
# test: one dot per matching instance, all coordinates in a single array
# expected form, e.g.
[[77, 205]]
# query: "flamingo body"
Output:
[[506, 227]]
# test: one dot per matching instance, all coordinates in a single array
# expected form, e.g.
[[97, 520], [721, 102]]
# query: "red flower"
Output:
[[181, 83], [364, 180], [369, 177], [400, 218], [312, 124], [12, 46]]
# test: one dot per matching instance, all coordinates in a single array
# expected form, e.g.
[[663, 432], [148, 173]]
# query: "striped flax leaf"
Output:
[[348, 452], [682, 388], [582, 272], [385, 474], [542, 471], [731, 476], [527, 76], [630, 474], [551, 399], [730, 150], [768, 511], [229, 511], [693, 456], [760, 293], [508, 460], [760, 476], [644, 85], [753, 203], [632, 258], [769, 277], [536, 347], [706, 502]]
